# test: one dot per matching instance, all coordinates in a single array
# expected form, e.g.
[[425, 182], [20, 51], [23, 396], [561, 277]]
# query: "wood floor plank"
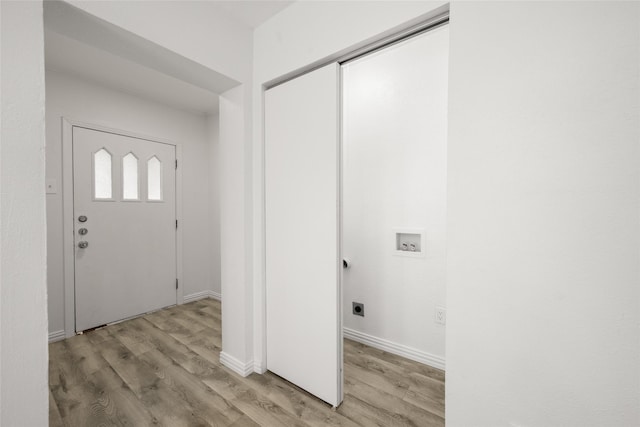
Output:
[[55, 419], [212, 309], [189, 324], [209, 405], [391, 361], [425, 401], [205, 348], [161, 397], [293, 400], [365, 414], [80, 397], [65, 370], [84, 353], [201, 318], [390, 408], [124, 401], [162, 341], [131, 336], [136, 375], [426, 370], [99, 335], [260, 409], [172, 325], [375, 375], [245, 421], [164, 369], [426, 393], [296, 401]]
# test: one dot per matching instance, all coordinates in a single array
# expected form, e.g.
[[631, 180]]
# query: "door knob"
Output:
[[83, 231], [83, 245], [82, 218]]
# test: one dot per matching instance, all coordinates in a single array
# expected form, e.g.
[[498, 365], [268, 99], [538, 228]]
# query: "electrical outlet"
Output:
[[358, 309], [441, 315]]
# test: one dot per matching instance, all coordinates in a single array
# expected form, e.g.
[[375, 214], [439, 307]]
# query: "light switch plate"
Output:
[[52, 186]]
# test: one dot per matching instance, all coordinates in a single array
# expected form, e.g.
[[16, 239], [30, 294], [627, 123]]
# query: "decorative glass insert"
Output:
[[102, 175], [130, 177], [154, 179]]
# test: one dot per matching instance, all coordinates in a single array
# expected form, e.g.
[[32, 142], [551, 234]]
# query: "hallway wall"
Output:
[[23, 292], [544, 200]]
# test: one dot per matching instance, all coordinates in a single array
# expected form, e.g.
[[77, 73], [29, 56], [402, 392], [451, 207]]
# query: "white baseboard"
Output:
[[200, 295], [56, 336], [395, 348], [242, 369], [258, 368]]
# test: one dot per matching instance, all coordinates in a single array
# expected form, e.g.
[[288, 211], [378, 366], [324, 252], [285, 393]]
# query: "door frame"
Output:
[[68, 237]]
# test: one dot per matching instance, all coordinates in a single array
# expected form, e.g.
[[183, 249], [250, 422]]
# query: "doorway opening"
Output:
[[102, 77], [376, 197], [394, 182], [132, 140]]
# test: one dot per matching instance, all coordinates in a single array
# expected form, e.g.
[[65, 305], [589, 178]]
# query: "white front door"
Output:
[[124, 226], [304, 329]]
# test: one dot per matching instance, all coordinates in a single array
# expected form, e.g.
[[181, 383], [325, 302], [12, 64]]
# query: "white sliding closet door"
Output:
[[304, 328]]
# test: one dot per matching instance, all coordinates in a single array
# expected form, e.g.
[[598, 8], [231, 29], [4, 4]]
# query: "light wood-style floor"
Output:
[[163, 369]]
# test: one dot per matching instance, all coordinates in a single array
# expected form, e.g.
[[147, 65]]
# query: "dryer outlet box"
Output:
[[358, 309]]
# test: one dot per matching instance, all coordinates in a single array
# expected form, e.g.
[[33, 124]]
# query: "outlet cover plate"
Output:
[[441, 315]]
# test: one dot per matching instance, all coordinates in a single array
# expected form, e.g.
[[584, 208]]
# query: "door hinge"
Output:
[[176, 283], [176, 163], [176, 223]]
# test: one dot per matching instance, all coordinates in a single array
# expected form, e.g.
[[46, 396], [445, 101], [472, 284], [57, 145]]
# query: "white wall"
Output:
[[234, 239], [213, 135], [303, 34], [197, 30], [87, 102], [394, 176], [23, 316], [543, 201]]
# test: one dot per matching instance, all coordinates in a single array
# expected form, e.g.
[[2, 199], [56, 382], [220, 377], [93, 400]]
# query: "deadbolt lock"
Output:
[[82, 218], [83, 231], [83, 245]]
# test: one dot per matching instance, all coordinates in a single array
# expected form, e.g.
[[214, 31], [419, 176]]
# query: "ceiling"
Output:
[[252, 13], [67, 55], [86, 47]]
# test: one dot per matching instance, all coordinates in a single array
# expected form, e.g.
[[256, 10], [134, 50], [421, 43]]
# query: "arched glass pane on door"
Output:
[[102, 181], [130, 177], [154, 179]]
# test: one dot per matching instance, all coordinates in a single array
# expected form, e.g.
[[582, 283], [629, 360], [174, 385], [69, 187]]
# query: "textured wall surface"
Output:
[[544, 200], [23, 292]]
